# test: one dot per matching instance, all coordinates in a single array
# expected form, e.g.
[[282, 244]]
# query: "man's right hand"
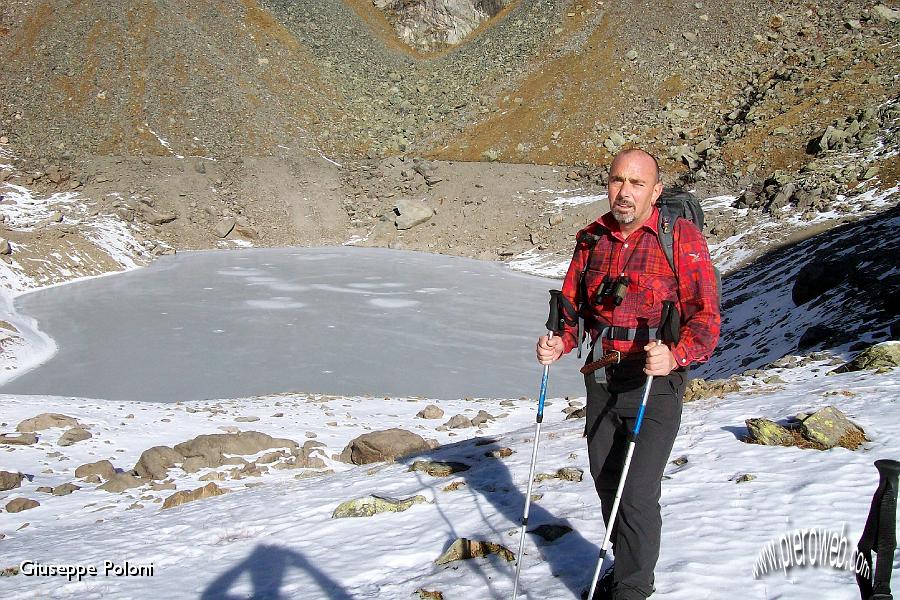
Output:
[[549, 349]]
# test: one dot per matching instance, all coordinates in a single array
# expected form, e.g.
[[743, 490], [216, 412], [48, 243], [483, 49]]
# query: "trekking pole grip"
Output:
[[553, 321]]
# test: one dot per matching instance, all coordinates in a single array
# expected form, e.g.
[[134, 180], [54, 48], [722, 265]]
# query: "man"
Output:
[[619, 276]]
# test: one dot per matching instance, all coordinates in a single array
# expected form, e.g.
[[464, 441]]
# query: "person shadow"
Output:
[[266, 567], [571, 558]]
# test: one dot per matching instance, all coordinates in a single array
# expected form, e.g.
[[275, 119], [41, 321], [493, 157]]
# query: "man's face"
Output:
[[633, 189]]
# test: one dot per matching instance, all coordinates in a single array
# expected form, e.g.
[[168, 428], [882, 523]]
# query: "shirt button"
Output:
[[626, 245]]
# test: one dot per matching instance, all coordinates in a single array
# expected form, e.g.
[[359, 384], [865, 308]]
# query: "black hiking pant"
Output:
[[612, 409]]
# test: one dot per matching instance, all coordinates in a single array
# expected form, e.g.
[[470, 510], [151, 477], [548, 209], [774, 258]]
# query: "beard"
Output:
[[623, 213]]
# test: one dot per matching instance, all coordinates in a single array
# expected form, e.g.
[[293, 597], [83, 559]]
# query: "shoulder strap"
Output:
[[666, 234]]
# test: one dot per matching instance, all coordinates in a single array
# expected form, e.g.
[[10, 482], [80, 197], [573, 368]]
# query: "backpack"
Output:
[[674, 205]]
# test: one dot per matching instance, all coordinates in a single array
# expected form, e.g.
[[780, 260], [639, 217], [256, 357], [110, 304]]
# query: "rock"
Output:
[[578, 413], [121, 482], [101, 468], [698, 389], [551, 533], [459, 422], [224, 227], [631, 55], [885, 354], [490, 155], [885, 14], [430, 412], [570, 474], [827, 426], [481, 418], [439, 468], [409, 213], [768, 433], [744, 478], [499, 453], [155, 462], [384, 445], [5, 247], [210, 490], [74, 435], [463, 549], [371, 505], [21, 439], [158, 218], [214, 446], [10, 480], [20, 504], [65, 489], [46, 421], [250, 419], [429, 594]]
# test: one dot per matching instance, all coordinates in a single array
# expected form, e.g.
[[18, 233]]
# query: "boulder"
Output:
[[885, 354], [827, 426], [215, 445], [65, 489], [121, 482], [224, 227], [698, 389], [18, 439], [384, 445], [481, 418], [101, 468], [371, 505], [437, 468], [459, 422], [20, 504], [74, 435], [409, 213], [430, 412], [885, 14], [768, 433], [209, 490], [570, 474], [10, 480], [463, 549], [46, 421], [155, 462]]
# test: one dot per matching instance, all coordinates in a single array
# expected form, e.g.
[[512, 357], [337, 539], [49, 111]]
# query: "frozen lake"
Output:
[[347, 321]]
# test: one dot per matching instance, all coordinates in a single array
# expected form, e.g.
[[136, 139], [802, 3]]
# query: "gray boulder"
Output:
[[827, 426], [459, 422], [224, 227], [430, 412], [409, 213], [883, 355], [381, 446]]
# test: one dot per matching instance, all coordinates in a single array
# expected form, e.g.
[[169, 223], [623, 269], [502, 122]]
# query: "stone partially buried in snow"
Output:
[[464, 549], [20, 504], [430, 412], [209, 490], [155, 462], [768, 433], [121, 482], [551, 533], [828, 426], [73, 436], [885, 354], [101, 468], [9, 480], [409, 213], [213, 446], [459, 422], [381, 446], [372, 505], [437, 468], [18, 439], [46, 421]]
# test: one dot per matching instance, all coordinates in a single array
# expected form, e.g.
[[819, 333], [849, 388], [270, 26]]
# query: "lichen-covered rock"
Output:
[[437, 468], [463, 549], [769, 433], [885, 354], [570, 474], [827, 426], [372, 505], [210, 490]]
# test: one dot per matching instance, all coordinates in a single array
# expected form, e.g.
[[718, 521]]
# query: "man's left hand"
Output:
[[660, 361]]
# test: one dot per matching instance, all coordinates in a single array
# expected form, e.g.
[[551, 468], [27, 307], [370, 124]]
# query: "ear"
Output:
[[657, 191]]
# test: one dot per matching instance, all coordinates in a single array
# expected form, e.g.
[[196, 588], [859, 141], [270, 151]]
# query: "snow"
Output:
[[273, 536]]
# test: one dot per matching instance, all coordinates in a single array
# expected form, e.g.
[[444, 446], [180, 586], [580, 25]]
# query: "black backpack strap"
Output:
[[880, 535]]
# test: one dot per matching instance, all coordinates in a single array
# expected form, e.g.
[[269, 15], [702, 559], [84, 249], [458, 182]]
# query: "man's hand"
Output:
[[549, 349], [660, 361]]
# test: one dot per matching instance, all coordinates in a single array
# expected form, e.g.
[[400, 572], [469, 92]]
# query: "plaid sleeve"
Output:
[[698, 296]]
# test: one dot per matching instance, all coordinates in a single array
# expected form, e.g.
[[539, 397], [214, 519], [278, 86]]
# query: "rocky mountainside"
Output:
[[205, 124]]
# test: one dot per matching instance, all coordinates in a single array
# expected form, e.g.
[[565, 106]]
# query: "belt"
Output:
[[611, 358]]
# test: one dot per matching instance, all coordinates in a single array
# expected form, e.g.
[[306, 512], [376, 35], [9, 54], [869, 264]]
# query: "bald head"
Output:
[[644, 158]]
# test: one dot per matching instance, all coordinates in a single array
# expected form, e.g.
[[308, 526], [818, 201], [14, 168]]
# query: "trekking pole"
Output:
[[553, 326], [607, 540]]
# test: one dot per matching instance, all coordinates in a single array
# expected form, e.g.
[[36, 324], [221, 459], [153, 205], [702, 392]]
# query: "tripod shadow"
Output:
[[266, 567], [570, 558]]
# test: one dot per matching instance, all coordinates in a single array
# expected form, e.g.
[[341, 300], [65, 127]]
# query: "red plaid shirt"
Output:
[[651, 281]]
